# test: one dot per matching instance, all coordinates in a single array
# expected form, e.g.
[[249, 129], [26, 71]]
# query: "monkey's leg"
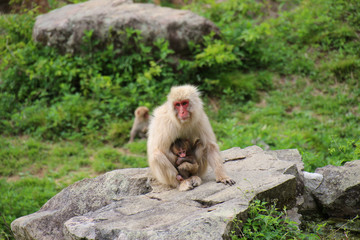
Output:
[[215, 161], [182, 160], [190, 168], [163, 170], [185, 174]]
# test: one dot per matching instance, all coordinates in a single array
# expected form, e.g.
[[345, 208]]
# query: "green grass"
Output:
[[313, 118], [33, 170]]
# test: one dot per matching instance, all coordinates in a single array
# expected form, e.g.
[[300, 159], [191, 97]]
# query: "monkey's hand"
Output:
[[179, 178], [226, 181], [181, 160]]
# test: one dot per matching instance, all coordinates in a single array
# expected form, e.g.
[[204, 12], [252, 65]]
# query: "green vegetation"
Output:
[[284, 74], [267, 222]]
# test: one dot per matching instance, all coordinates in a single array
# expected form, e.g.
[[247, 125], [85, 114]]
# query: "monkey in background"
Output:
[[141, 123], [185, 162], [182, 116]]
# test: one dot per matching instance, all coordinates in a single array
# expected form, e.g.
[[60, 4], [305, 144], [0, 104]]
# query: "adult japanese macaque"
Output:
[[185, 163], [182, 116], [141, 123]]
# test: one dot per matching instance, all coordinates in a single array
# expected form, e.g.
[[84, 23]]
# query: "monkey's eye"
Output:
[[185, 102]]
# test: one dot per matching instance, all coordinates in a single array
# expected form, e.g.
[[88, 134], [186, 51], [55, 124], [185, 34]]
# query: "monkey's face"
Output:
[[182, 109], [145, 114], [181, 152], [142, 112]]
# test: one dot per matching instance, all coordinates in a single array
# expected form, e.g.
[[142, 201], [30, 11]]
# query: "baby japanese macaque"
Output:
[[185, 163]]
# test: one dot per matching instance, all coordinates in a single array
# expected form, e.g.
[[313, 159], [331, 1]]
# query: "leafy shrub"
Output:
[[266, 222], [344, 151], [74, 96], [118, 132]]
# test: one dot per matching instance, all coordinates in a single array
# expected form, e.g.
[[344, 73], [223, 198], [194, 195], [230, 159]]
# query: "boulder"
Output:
[[311, 182], [126, 204], [64, 28], [339, 191]]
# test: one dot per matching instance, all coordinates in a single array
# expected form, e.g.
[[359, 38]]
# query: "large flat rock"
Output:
[[125, 204]]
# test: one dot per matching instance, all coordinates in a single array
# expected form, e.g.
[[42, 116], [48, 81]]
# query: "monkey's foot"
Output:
[[195, 181], [226, 181], [189, 183], [186, 185]]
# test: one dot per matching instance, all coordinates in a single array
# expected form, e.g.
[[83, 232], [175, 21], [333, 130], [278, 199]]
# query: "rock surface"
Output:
[[64, 28], [312, 180], [124, 204], [339, 192]]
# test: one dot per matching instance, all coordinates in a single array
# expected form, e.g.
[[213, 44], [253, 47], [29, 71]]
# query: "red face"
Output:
[[182, 109], [181, 153]]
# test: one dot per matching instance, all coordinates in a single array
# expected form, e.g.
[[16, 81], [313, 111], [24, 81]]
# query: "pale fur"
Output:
[[141, 123], [165, 127]]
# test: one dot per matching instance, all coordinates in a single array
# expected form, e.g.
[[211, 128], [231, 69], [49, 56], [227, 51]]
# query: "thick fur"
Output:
[[187, 166], [141, 123], [165, 127]]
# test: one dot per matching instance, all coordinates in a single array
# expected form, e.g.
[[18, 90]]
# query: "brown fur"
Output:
[[187, 165], [141, 123]]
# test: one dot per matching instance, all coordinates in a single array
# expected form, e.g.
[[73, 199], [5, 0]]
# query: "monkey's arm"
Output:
[[208, 139], [162, 169], [133, 131], [161, 160], [188, 159], [186, 167]]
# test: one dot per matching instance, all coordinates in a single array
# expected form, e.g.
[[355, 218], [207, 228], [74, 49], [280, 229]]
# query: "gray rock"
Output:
[[293, 156], [231, 154], [124, 204], [339, 192], [312, 180], [64, 28]]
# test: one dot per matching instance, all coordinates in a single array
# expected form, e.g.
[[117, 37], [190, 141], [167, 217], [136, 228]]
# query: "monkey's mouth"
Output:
[[184, 118]]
